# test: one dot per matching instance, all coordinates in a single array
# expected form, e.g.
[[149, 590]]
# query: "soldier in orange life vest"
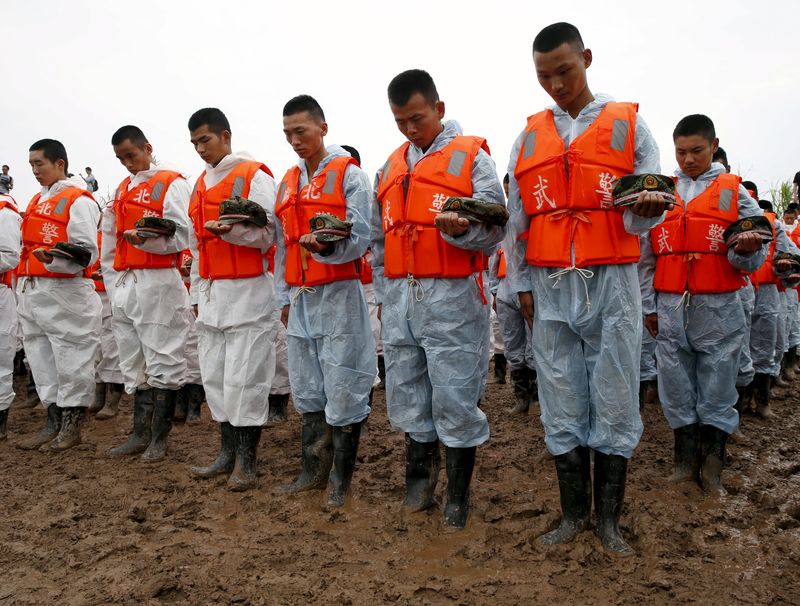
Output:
[[140, 274], [9, 259], [427, 271], [58, 307], [332, 361], [790, 362], [109, 382], [576, 255], [237, 314], [700, 323]]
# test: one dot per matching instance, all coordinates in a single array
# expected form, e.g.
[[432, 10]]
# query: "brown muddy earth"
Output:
[[82, 528]]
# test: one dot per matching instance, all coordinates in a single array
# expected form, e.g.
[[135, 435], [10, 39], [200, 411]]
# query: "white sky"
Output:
[[77, 70]]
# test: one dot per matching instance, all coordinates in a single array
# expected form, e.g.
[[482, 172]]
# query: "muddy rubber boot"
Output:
[[52, 426], [181, 404], [381, 372], [70, 434], [3, 424], [500, 367], [459, 464], [687, 451], [226, 457], [114, 393], [244, 472], [163, 411], [712, 444], [423, 461], [761, 395], [31, 397], [142, 419], [99, 398], [533, 385], [196, 396], [575, 489], [787, 364], [610, 474], [345, 448], [522, 391], [316, 455], [277, 407], [19, 364]]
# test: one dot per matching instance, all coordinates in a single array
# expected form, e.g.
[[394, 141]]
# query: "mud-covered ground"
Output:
[[82, 528]]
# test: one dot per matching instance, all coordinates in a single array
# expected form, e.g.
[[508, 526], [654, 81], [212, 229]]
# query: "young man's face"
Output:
[[210, 146], [47, 173], [134, 158], [419, 121], [694, 153], [5, 170], [304, 133], [789, 217], [562, 74]]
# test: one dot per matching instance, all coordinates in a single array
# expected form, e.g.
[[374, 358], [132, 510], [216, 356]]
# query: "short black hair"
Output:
[[720, 156], [695, 124], [304, 103], [405, 84], [6, 166], [131, 133], [88, 169], [53, 150], [556, 34], [793, 207], [353, 152], [212, 117], [765, 205], [751, 186]]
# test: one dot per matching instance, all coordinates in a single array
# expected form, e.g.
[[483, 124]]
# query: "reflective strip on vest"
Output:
[[60, 206], [528, 144], [238, 186], [330, 181], [456, 165], [725, 198], [619, 135], [157, 192]]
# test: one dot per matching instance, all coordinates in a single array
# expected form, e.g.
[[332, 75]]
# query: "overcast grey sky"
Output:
[[77, 70]]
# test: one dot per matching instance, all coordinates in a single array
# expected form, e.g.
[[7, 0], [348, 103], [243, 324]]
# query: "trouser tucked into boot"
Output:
[[687, 453], [70, 433], [163, 411], [712, 453]]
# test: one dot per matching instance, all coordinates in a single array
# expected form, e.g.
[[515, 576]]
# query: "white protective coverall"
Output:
[[435, 330], [332, 360], [237, 318], [60, 318], [587, 333], [150, 306], [9, 259]]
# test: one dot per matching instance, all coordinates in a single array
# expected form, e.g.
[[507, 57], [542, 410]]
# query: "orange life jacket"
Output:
[[410, 200], [99, 285], [45, 225], [271, 259], [764, 274], [6, 201], [220, 260], [690, 252], [568, 191], [144, 200], [501, 265], [366, 270], [296, 207]]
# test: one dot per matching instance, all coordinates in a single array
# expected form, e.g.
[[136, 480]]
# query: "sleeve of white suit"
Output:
[[487, 188], [647, 272], [518, 270], [376, 243], [358, 194], [176, 208], [10, 244], [108, 250], [84, 216], [646, 159], [194, 272], [750, 262], [281, 288], [262, 191]]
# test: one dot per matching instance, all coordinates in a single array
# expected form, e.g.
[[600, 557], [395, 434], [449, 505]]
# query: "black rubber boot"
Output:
[[70, 434], [277, 407], [345, 449], [163, 411], [196, 396], [3, 423], [789, 363], [244, 472], [19, 364], [181, 404], [31, 397], [423, 461], [520, 378], [142, 419], [114, 393], [610, 474], [575, 489], [381, 372], [52, 426], [533, 385], [316, 455], [761, 395], [459, 463], [712, 445], [226, 457], [500, 367], [99, 398], [687, 454]]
